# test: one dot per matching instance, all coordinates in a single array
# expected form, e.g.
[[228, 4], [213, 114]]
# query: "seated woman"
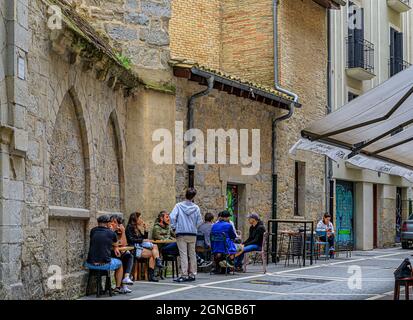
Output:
[[137, 235], [219, 248], [254, 241], [326, 227]]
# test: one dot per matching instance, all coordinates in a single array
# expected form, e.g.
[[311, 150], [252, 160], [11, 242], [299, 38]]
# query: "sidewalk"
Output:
[[336, 279]]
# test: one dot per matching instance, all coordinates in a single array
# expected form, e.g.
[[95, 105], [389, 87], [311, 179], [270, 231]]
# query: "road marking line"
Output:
[[150, 296]]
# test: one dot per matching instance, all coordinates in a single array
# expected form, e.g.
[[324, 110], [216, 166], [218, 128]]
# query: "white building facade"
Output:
[[370, 41]]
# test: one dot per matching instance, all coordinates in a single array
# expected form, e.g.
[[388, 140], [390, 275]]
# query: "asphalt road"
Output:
[[367, 275]]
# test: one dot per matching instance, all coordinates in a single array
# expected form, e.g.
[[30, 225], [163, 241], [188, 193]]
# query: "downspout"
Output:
[[329, 164], [190, 124], [274, 126]]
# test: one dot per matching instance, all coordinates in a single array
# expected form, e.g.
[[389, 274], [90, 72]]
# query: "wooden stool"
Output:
[[140, 269], [406, 282], [97, 276]]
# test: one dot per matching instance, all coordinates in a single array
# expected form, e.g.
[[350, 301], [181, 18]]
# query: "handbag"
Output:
[[404, 270]]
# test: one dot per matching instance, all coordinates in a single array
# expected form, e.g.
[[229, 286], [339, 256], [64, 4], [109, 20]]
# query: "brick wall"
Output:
[[195, 31]]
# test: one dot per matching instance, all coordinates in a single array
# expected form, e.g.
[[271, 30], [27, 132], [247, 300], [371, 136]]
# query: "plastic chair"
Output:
[[217, 238], [262, 253]]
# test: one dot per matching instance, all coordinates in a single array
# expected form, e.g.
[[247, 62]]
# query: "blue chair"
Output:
[[319, 243], [220, 240]]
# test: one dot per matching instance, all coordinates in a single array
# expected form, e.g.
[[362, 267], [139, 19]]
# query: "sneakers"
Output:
[[159, 263], [191, 278], [127, 281], [205, 264], [225, 264], [181, 279], [123, 290]]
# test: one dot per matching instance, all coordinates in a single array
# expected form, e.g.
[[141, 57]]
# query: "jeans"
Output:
[[186, 246], [249, 248], [114, 264], [171, 249], [330, 241], [127, 261]]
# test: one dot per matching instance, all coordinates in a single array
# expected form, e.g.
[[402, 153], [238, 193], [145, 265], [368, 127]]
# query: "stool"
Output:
[[174, 261], [140, 269], [97, 275], [406, 282]]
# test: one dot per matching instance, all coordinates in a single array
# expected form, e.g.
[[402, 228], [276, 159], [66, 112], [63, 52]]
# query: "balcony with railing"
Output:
[[397, 65], [360, 59], [399, 5]]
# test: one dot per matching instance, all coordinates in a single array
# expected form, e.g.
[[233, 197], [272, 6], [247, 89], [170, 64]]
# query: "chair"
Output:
[[174, 261], [262, 254], [200, 247], [406, 282], [344, 242], [140, 269], [221, 238], [319, 243], [294, 248], [97, 276]]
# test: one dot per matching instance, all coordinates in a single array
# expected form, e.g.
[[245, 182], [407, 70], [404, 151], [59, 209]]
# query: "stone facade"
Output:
[[74, 146]]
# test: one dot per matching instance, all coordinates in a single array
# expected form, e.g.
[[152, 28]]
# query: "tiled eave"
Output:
[[331, 4], [233, 86]]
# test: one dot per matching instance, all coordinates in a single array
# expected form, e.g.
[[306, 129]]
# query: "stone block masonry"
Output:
[[139, 28]]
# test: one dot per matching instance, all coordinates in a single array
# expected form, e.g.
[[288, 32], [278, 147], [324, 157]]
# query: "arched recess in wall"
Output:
[[69, 157], [110, 180]]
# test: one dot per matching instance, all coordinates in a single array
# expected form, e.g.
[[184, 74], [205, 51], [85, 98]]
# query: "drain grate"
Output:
[[311, 280], [270, 283]]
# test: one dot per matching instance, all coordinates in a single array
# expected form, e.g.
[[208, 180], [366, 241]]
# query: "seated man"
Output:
[[204, 233], [218, 247], [162, 231], [117, 224], [102, 241], [326, 227], [254, 241]]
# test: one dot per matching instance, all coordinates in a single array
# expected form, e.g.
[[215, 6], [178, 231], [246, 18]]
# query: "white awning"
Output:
[[366, 131]]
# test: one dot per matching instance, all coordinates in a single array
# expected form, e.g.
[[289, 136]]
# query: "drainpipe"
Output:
[[274, 125], [190, 124], [329, 164]]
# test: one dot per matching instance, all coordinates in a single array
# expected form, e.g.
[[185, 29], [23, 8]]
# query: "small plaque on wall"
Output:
[[21, 68]]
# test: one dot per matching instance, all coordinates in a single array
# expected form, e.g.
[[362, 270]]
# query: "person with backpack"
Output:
[[185, 220]]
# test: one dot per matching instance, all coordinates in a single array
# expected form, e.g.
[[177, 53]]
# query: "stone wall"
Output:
[[70, 133], [139, 28], [221, 110]]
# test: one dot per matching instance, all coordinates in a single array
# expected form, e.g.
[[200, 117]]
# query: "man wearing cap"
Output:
[[102, 241], [254, 241]]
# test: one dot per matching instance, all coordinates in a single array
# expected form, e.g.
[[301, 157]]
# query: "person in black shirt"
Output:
[[254, 241], [102, 242], [137, 235]]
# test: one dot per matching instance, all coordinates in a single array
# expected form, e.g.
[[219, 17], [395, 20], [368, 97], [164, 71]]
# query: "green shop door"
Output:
[[344, 213], [233, 202]]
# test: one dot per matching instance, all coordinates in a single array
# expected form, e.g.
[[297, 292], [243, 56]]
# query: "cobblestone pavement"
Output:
[[335, 279]]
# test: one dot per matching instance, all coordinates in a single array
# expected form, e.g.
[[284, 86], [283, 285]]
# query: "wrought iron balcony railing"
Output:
[[360, 54], [397, 65]]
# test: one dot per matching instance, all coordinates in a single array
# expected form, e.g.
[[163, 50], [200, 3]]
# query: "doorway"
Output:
[[344, 212], [233, 203]]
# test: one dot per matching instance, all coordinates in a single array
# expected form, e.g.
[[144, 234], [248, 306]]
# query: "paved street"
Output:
[[333, 280]]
